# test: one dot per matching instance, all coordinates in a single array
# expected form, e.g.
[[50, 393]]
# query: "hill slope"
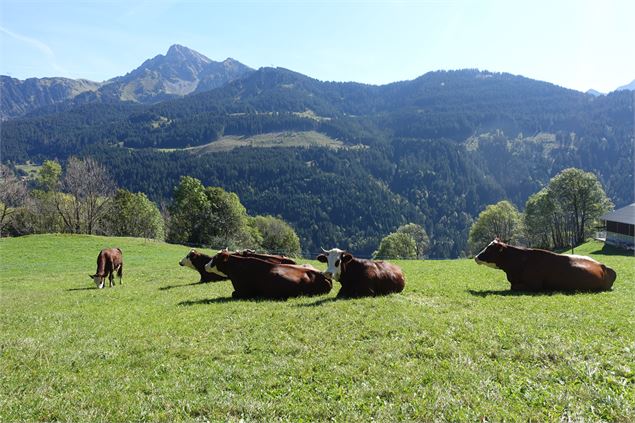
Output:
[[440, 148], [455, 345], [21, 97]]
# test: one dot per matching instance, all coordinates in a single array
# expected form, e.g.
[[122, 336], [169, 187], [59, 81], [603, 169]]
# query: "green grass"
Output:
[[268, 140], [455, 345], [30, 169]]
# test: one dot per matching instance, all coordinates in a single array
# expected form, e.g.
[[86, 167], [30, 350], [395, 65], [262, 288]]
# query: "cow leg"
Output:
[[120, 274], [111, 279]]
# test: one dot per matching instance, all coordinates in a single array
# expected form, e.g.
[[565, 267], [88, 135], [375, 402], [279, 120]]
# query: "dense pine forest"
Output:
[[434, 151]]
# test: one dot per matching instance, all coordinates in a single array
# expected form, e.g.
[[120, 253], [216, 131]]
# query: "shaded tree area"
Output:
[[210, 216]]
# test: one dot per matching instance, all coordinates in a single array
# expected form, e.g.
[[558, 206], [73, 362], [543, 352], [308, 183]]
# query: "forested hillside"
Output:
[[435, 150]]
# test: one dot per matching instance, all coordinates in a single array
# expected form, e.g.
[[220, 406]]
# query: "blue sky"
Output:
[[576, 44]]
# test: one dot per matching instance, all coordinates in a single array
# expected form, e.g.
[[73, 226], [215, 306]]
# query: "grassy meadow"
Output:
[[455, 345]]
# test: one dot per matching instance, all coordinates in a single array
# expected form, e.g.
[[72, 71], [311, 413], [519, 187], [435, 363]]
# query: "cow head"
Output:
[[334, 259], [218, 260], [492, 254], [99, 280], [187, 260]]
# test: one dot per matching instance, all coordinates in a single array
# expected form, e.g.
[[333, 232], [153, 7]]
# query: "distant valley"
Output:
[[344, 163]]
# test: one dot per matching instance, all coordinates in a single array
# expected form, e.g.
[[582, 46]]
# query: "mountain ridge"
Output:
[[435, 151], [181, 71]]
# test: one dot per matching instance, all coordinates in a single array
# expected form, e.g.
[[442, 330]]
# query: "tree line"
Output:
[[561, 215], [84, 199]]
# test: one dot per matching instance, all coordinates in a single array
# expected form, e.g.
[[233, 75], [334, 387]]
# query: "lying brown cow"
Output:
[[197, 261], [109, 260], [531, 269], [253, 277], [361, 278]]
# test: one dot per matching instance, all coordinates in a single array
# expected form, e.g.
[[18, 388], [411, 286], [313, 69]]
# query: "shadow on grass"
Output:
[[221, 300], [165, 288], [510, 293], [217, 300], [82, 289], [320, 302], [609, 250]]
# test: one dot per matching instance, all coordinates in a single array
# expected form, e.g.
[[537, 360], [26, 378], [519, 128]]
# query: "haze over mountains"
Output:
[[344, 163]]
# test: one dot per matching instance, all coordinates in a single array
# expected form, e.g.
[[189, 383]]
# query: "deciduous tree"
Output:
[[419, 236], [13, 193], [497, 220], [278, 237], [90, 187], [134, 215], [397, 245]]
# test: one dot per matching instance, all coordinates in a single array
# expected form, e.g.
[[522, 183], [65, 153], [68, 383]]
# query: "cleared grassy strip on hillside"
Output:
[[455, 345], [269, 140]]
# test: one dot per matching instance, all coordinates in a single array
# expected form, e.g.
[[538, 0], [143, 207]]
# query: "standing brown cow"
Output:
[[530, 269], [109, 260], [361, 278], [253, 277]]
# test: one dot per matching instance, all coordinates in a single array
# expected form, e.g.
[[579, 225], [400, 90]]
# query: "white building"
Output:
[[620, 227]]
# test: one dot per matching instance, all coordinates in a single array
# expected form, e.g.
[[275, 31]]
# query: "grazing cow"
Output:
[[197, 261], [361, 278], [109, 260], [253, 277], [530, 269]]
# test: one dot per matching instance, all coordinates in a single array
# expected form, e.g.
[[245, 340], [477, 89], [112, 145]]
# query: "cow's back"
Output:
[[271, 280], [390, 278], [544, 270], [579, 273], [361, 278]]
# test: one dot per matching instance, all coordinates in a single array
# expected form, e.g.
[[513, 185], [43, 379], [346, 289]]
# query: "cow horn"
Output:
[[323, 250]]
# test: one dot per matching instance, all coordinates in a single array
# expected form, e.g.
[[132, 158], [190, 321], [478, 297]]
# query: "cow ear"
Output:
[[322, 258], [346, 257], [92, 276]]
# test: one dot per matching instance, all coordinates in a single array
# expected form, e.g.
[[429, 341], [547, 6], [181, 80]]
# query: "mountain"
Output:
[[20, 97], [180, 72], [629, 87], [435, 150], [594, 92]]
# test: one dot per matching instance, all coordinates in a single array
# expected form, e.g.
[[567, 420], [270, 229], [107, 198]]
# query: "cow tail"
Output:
[[609, 275]]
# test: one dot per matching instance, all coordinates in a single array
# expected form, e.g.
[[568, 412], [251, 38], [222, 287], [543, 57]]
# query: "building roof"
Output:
[[623, 215]]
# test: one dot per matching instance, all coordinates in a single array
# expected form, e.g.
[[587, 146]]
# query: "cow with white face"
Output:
[[361, 278], [196, 260]]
